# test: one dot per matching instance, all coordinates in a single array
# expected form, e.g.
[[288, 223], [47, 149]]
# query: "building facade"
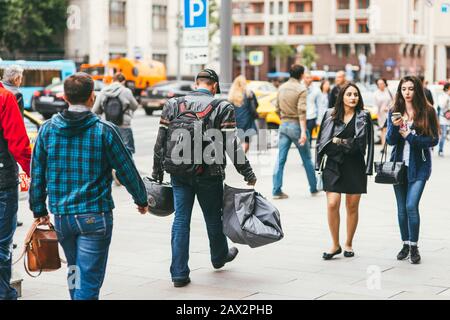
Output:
[[102, 29], [393, 37]]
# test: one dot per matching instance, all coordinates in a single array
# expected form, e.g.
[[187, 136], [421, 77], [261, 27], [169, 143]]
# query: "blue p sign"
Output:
[[195, 14]]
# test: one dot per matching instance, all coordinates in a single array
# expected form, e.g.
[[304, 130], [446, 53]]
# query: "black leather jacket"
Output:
[[222, 118], [364, 137]]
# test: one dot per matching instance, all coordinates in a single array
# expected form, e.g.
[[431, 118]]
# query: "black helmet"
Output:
[[160, 197]]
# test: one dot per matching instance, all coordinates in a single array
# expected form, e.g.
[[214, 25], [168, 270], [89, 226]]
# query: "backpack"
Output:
[[114, 110], [181, 132]]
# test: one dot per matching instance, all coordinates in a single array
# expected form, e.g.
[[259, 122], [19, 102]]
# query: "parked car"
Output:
[[155, 97], [51, 100]]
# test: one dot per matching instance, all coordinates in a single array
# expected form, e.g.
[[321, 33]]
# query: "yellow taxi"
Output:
[[32, 124]]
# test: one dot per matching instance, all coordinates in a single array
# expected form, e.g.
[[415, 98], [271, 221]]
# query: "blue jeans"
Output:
[[444, 129], [85, 239], [128, 139], [290, 133], [9, 202], [209, 191], [408, 197]]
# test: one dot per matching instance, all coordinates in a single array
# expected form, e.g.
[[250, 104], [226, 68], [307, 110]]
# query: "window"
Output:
[[280, 28], [343, 26], [160, 57], [258, 7], [272, 29], [259, 30], [343, 50], [300, 29], [280, 7], [299, 7], [362, 27], [117, 11], [159, 17], [343, 4], [272, 7], [363, 4]]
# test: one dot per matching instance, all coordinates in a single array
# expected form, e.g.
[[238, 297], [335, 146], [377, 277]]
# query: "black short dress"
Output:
[[345, 171]]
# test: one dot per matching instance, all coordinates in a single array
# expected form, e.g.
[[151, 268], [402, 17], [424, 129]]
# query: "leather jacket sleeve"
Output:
[[159, 149], [370, 146]]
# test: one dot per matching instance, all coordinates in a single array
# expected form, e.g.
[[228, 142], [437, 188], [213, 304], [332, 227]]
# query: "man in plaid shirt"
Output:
[[72, 163]]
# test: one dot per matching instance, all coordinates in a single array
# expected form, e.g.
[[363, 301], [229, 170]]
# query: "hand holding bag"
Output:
[[390, 172], [40, 250]]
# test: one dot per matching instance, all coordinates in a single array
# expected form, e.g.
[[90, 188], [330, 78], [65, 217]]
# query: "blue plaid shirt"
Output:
[[72, 164]]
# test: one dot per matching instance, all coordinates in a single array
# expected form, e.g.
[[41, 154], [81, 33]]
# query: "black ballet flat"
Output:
[[329, 256], [349, 254]]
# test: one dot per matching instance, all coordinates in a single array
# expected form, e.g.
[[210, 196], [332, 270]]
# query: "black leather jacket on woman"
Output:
[[363, 139]]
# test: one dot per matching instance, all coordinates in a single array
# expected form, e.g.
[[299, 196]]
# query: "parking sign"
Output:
[[196, 13]]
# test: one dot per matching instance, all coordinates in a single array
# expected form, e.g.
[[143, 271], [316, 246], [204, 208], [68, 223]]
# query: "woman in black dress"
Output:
[[345, 138]]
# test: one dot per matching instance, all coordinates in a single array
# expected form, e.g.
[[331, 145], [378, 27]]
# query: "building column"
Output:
[[441, 62], [99, 31], [139, 31]]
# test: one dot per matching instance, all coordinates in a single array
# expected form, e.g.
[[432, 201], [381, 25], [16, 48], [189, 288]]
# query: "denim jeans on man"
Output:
[[8, 221], [444, 129], [85, 239], [209, 191], [290, 133], [408, 198], [128, 139]]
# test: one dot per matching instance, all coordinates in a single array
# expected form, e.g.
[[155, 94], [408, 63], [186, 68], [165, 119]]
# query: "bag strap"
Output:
[[323, 163], [27, 241]]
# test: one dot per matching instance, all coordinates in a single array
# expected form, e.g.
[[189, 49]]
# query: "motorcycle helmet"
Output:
[[160, 197]]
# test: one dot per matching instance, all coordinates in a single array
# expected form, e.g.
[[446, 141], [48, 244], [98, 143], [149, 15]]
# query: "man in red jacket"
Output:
[[14, 148]]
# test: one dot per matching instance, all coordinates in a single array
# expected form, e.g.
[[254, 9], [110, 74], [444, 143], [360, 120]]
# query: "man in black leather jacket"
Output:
[[208, 186]]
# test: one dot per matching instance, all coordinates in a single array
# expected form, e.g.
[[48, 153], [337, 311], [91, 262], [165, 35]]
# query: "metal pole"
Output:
[[243, 55], [179, 40], [226, 51]]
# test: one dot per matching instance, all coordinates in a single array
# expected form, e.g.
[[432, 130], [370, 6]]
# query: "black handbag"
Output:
[[390, 172]]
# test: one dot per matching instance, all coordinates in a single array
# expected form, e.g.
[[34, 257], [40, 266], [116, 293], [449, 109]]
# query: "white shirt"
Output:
[[312, 105], [407, 148]]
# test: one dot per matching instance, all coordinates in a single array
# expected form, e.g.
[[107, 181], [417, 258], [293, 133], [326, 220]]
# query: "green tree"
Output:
[[281, 51], [32, 24], [214, 18], [309, 55]]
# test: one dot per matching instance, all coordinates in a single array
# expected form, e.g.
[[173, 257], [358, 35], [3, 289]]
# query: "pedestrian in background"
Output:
[[204, 181], [14, 148], [291, 107], [413, 132], [245, 103], [73, 158], [383, 101], [345, 138], [312, 105], [12, 79], [428, 93], [118, 95], [339, 83], [444, 107], [323, 99]]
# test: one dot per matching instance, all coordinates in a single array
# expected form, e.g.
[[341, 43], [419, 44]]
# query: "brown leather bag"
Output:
[[41, 250]]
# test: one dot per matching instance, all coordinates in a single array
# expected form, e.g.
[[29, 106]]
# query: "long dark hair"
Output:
[[425, 118], [339, 110]]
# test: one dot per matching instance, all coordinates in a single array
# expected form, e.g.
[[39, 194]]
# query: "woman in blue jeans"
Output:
[[413, 130]]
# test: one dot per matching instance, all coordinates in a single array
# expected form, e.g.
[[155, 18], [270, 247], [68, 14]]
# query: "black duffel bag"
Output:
[[390, 172], [160, 197], [248, 218]]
